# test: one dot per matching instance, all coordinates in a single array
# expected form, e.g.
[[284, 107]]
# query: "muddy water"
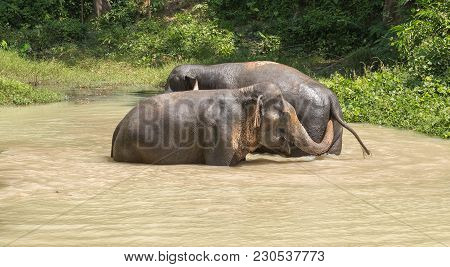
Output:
[[58, 186]]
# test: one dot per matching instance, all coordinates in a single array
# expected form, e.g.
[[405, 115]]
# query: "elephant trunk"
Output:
[[298, 135]]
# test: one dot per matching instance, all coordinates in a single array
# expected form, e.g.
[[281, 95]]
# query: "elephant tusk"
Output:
[[195, 86]]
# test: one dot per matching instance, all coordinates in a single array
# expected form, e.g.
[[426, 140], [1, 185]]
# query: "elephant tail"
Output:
[[116, 132], [336, 113]]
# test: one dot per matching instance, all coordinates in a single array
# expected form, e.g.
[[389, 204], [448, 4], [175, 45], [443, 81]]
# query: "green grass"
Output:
[[18, 93], [391, 97], [87, 77]]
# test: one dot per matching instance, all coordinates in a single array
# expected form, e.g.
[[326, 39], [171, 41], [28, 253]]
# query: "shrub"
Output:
[[123, 13], [18, 12], [41, 38], [392, 97], [4, 45], [195, 37], [327, 27], [264, 44], [126, 12], [16, 93], [154, 42]]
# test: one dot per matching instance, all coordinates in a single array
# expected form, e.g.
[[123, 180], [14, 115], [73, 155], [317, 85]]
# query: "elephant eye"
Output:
[[284, 117]]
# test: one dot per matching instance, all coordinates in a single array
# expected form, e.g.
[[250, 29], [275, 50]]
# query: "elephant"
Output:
[[314, 103], [213, 127]]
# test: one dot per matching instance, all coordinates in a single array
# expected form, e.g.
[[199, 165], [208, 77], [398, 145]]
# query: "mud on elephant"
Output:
[[215, 127], [314, 103]]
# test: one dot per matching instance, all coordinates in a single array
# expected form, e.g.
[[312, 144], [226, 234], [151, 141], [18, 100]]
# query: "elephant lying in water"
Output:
[[216, 127], [314, 103]]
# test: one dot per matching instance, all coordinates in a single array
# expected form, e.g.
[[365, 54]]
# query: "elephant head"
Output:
[[181, 81], [277, 125]]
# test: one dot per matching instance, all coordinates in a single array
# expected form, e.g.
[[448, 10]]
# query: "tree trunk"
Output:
[[82, 11], [390, 14], [101, 7], [147, 8]]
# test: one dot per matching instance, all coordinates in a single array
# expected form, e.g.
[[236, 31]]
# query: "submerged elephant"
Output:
[[215, 127], [314, 103]]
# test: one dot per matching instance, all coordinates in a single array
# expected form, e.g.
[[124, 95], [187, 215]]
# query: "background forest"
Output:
[[387, 60]]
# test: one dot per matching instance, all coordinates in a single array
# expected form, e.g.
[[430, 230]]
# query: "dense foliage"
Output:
[[393, 97], [208, 29], [154, 42], [424, 41], [123, 33], [329, 27], [352, 32], [228, 29]]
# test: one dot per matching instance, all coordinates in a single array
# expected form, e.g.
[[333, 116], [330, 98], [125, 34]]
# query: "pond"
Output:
[[58, 186]]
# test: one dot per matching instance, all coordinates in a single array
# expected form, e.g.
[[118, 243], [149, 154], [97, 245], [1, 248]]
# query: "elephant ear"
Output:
[[258, 111], [191, 83]]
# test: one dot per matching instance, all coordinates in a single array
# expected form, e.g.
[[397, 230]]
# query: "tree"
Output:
[[390, 11], [82, 11], [101, 7], [147, 8]]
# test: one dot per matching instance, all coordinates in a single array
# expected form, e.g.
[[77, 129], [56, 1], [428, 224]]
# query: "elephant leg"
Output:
[[295, 152], [221, 157], [263, 150], [221, 153], [127, 154], [336, 148]]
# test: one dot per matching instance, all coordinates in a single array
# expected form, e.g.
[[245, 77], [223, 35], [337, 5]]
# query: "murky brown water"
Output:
[[58, 186]]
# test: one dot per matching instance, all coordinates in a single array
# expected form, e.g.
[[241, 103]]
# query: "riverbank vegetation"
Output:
[[16, 93], [394, 97], [387, 60], [89, 76]]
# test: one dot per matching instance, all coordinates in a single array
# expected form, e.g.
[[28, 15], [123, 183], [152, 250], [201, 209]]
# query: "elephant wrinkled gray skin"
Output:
[[215, 127], [314, 103]]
